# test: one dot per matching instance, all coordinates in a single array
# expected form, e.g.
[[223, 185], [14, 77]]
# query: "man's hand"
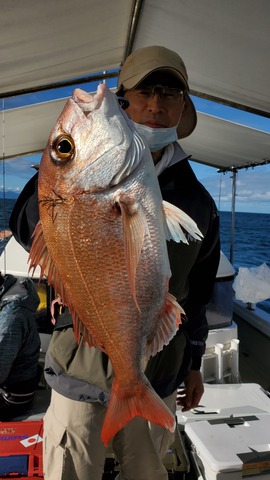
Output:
[[190, 396], [5, 234]]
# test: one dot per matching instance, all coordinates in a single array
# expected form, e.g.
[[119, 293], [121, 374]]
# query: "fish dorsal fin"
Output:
[[135, 228], [167, 327], [39, 256], [175, 220]]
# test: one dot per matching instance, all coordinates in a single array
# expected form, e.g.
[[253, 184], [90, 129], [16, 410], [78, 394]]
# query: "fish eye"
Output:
[[63, 149]]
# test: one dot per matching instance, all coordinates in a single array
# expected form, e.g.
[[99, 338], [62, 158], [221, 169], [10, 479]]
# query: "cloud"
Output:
[[17, 172], [252, 185], [252, 188]]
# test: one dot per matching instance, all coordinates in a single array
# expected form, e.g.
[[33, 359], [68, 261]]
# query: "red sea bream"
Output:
[[101, 242]]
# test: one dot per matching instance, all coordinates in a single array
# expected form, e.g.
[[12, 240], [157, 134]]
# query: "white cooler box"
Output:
[[228, 400], [232, 448]]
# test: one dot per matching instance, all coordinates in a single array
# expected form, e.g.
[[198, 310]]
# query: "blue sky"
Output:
[[253, 186]]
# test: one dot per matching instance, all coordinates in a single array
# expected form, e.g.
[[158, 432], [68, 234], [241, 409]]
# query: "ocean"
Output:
[[251, 241], [251, 238]]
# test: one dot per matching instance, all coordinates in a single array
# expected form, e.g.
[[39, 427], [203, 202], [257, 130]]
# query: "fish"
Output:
[[101, 243]]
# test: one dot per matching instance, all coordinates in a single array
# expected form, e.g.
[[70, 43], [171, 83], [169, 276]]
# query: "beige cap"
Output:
[[145, 61]]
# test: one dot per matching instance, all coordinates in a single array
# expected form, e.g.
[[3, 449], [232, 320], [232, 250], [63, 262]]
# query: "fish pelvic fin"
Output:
[[144, 402], [175, 220], [135, 228], [167, 327]]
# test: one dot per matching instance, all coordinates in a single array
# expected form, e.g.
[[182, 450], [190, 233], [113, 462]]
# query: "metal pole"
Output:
[[234, 173], [132, 29]]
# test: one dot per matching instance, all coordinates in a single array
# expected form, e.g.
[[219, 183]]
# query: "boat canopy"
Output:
[[225, 45]]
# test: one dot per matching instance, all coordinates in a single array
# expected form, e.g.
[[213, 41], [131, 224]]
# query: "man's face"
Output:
[[153, 108]]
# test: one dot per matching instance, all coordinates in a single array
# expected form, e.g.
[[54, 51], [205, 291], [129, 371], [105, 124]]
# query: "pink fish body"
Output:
[[101, 242]]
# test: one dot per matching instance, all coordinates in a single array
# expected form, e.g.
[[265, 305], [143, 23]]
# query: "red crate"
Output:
[[20, 440]]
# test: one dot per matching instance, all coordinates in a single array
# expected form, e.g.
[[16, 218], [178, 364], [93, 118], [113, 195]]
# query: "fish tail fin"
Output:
[[144, 402]]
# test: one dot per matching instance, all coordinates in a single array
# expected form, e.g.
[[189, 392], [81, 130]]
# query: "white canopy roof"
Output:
[[214, 142], [50, 41], [225, 145], [225, 45]]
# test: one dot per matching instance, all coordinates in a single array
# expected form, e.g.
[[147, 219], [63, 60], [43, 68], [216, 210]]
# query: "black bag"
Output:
[[25, 214]]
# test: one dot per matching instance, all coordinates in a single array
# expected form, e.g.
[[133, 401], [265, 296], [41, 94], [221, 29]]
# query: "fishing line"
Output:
[[4, 178]]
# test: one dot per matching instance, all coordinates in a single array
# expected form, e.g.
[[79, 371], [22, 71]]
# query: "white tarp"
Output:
[[225, 44], [252, 285], [50, 41]]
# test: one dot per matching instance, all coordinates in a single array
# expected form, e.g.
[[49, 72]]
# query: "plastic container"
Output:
[[220, 362], [220, 308], [21, 449]]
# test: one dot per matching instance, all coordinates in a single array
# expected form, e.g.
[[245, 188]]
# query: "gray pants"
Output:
[[73, 449]]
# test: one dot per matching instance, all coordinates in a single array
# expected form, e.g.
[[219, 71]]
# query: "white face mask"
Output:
[[157, 138]]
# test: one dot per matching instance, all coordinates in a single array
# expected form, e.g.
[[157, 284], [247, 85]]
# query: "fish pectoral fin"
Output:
[[143, 401], [167, 327], [175, 220], [135, 228]]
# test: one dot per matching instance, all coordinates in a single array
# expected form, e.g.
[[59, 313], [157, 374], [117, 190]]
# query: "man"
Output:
[[155, 83], [19, 345]]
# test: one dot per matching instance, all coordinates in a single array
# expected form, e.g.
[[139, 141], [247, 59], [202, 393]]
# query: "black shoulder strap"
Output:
[[64, 320], [25, 214]]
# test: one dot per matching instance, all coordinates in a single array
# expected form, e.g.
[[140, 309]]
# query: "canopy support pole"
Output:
[[234, 174]]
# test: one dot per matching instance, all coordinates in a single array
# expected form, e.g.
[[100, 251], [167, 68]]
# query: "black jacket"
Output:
[[194, 269], [193, 266]]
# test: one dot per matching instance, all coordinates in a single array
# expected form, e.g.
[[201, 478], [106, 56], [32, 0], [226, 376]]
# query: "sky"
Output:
[[252, 186]]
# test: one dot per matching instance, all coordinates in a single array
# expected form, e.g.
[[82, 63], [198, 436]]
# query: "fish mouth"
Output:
[[87, 102]]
